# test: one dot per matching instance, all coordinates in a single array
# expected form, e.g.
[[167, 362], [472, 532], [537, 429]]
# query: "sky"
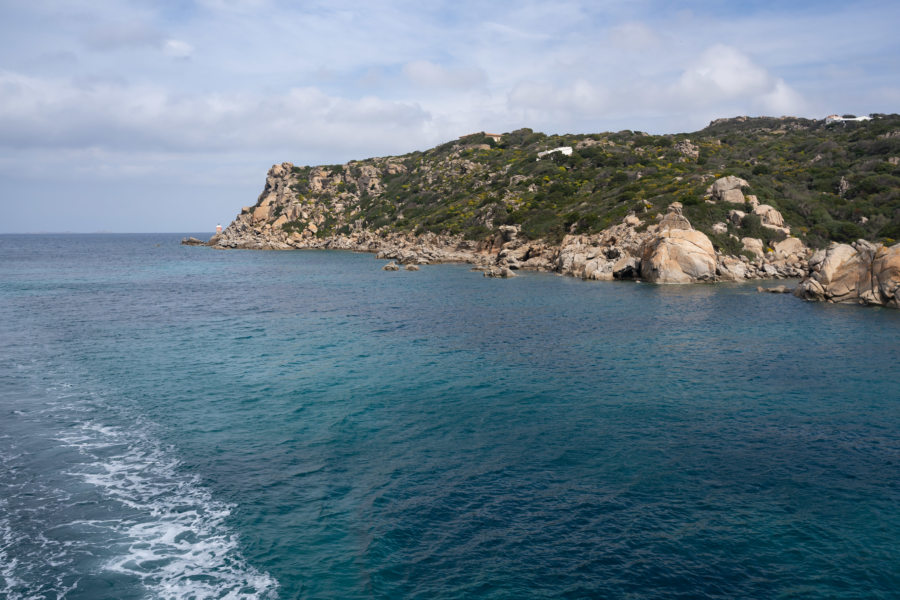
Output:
[[158, 116]]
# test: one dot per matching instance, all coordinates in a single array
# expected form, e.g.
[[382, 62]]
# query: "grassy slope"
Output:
[[473, 185]]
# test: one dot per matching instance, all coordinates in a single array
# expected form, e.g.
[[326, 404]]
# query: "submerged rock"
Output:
[[501, 272], [391, 266]]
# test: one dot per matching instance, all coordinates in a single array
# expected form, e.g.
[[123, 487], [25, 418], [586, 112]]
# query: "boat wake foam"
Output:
[[172, 534]]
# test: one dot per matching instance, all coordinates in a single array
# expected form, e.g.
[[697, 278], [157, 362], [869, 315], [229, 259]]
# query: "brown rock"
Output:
[[730, 268], [725, 184], [769, 216], [678, 256], [733, 196], [865, 273]]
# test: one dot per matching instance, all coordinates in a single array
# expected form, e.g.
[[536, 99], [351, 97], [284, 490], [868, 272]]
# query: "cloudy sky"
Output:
[[136, 116]]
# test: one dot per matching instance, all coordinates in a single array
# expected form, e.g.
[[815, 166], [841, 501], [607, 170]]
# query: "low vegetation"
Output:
[[831, 182]]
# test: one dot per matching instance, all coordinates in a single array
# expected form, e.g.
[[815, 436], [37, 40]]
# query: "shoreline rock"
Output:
[[861, 273], [670, 251]]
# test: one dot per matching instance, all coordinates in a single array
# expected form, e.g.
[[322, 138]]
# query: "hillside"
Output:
[[835, 182]]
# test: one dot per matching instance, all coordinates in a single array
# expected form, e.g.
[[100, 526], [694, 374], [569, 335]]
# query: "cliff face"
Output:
[[669, 251], [328, 216]]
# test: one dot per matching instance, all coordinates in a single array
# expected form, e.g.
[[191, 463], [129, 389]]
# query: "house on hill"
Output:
[[494, 136], [839, 119], [564, 150]]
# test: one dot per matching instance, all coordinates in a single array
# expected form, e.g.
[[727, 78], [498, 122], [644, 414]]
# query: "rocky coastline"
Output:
[[663, 249]]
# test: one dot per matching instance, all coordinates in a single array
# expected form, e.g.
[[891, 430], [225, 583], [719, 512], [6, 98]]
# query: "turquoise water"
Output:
[[180, 422]]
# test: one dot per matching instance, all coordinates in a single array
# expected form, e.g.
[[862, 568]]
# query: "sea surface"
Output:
[[181, 422]]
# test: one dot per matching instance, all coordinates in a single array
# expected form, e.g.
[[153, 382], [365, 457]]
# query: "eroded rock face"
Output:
[[863, 273], [678, 256]]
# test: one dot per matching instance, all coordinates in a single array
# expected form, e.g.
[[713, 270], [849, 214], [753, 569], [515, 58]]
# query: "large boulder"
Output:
[[886, 275], [863, 273], [728, 189], [769, 216], [678, 256], [790, 247]]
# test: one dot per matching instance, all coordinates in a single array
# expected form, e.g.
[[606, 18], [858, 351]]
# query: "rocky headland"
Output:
[[361, 207]]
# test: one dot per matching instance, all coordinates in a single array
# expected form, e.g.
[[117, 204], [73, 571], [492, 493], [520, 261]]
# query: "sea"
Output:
[[187, 423]]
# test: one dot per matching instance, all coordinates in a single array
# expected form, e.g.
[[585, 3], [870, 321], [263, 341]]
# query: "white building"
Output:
[[839, 119], [565, 150]]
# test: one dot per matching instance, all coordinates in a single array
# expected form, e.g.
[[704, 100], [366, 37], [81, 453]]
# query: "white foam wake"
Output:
[[8, 565], [173, 534]]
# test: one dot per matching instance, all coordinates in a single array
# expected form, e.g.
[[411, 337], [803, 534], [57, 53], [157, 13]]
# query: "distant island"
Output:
[[743, 198]]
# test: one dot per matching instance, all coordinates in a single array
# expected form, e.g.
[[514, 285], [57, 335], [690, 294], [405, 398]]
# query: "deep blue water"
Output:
[[180, 422]]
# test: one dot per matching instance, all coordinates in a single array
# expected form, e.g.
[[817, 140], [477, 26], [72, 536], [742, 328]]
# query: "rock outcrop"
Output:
[[688, 149], [326, 207], [861, 273], [679, 256], [728, 189], [771, 218], [678, 253]]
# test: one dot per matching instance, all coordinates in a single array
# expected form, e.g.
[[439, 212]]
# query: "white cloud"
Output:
[[722, 75], [107, 84], [723, 72], [782, 100], [177, 49], [49, 113]]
